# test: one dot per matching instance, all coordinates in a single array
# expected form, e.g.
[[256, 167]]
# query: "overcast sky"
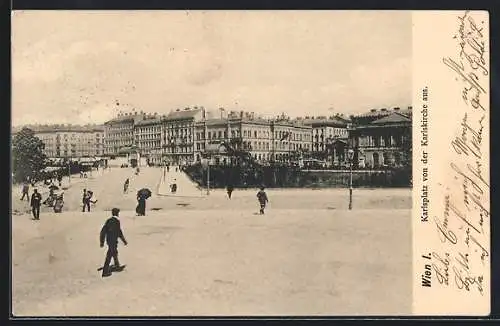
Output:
[[73, 67]]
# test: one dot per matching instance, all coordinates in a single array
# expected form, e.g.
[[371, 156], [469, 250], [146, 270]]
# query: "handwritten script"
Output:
[[463, 223]]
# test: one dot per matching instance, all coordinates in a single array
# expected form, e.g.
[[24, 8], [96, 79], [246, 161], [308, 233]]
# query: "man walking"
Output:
[[230, 189], [86, 200], [110, 232], [125, 186], [263, 200], [36, 201], [26, 189]]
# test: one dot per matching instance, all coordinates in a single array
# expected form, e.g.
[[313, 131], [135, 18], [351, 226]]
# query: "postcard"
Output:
[[250, 163]]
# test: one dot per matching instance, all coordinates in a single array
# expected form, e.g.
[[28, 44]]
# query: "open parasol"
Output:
[[144, 192]]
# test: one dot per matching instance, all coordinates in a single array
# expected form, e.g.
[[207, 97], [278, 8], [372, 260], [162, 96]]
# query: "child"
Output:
[[90, 195], [262, 197]]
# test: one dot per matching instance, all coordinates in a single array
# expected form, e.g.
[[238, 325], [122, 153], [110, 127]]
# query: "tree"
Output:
[[27, 154]]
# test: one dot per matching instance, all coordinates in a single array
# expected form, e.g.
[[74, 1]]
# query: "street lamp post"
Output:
[[351, 157], [208, 176]]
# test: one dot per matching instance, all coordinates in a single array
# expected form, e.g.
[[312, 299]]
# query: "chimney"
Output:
[[177, 110], [409, 108], [383, 110], [186, 109], [396, 109], [195, 107], [373, 110]]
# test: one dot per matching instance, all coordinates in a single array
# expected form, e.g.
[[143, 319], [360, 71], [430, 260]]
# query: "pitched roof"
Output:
[[149, 121], [394, 117], [332, 122], [123, 118], [60, 128], [183, 114]]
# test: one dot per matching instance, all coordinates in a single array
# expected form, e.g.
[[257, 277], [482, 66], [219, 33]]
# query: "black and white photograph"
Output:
[[211, 163]]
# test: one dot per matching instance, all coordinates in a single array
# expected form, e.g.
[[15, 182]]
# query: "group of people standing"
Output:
[[56, 201]]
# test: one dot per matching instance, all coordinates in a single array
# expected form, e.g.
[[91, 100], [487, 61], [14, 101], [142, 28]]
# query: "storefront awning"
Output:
[[51, 169]]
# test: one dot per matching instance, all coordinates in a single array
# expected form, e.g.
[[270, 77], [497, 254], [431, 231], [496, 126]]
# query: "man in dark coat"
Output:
[[86, 200], [110, 232], [230, 189], [141, 204], [36, 201]]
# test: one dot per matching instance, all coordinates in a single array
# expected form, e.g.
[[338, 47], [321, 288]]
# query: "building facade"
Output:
[[119, 133], [265, 140], [70, 141], [148, 138], [290, 140], [329, 139], [178, 134], [382, 138]]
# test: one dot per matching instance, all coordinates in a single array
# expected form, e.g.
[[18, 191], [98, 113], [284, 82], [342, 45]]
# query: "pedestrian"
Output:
[[36, 201], [262, 197], [25, 191], [49, 201], [168, 168], [85, 200], [59, 203], [173, 187], [59, 179], [110, 232], [230, 189], [125, 186], [141, 205]]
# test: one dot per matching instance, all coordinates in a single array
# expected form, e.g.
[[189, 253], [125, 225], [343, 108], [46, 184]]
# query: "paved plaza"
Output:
[[208, 255]]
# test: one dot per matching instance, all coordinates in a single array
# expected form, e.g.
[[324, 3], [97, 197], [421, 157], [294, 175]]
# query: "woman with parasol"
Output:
[[142, 195]]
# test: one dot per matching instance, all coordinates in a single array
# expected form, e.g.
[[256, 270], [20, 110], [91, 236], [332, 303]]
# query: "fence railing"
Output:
[[286, 177]]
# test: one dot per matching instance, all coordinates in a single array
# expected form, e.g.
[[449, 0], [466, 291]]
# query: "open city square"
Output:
[[211, 163], [208, 255]]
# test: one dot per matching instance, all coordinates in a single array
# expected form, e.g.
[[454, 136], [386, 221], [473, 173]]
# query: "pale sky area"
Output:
[[72, 66]]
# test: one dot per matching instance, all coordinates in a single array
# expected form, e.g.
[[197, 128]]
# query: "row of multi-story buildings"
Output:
[[70, 141], [379, 138], [183, 136]]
